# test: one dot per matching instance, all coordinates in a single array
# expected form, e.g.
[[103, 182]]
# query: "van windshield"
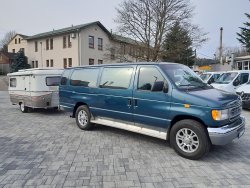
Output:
[[183, 77], [226, 78]]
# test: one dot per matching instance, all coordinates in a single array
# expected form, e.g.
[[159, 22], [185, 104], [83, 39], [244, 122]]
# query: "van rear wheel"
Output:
[[189, 139], [23, 108], [83, 118]]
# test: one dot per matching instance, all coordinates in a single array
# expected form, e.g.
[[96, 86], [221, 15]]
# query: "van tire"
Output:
[[83, 118], [24, 109], [190, 139]]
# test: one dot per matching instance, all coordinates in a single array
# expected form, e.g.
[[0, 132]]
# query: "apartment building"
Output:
[[85, 44]]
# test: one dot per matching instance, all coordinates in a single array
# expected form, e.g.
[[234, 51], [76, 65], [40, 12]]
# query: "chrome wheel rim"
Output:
[[187, 140], [82, 118]]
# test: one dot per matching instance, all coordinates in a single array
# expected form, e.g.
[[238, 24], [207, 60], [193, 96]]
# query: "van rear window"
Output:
[[12, 82], [53, 80]]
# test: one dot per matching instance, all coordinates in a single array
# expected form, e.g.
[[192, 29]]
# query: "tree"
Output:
[[20, 62], [177, 46], [6, 39], [147, 21], [244, 35]]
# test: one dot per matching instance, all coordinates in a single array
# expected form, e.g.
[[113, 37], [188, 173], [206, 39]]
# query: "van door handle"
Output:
[[129, 103], [135, 103]]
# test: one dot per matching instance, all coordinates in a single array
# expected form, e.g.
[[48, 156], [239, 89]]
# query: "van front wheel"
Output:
[[23, 108], [189, 139], [83, 118]]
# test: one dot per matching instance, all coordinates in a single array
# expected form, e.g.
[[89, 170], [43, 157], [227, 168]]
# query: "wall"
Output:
[[16, 47], [58, 53]]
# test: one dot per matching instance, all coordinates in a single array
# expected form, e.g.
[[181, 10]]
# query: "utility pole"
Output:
[[220, 49]]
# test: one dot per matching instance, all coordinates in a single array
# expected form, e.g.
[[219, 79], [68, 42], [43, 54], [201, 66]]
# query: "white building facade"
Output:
[[85, 44]]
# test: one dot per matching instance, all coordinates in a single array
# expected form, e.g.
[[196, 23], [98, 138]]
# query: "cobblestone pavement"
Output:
[[46, 149]]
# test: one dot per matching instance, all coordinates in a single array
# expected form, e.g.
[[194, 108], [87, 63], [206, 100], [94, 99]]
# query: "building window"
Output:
[[15, 41], [19, 40], [91, 42], [47, 44], [51, 63], [69, 41], [64, 42], [33, 64], [70, 62], [47, 63], [112, 53], [51, 44], [36, 46], [36, 63], [13, 50], [64, 62], [100, 43], [100, 61], [91, 61]]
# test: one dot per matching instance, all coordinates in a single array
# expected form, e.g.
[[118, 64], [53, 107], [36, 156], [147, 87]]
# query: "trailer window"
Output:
[[12, 82], [53, 80]]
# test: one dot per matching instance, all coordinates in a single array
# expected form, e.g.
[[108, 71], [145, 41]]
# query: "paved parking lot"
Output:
[[46, 149]]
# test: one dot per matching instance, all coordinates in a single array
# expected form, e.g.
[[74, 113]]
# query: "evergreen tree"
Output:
[[20, 62], [244, 35], [178, 46]]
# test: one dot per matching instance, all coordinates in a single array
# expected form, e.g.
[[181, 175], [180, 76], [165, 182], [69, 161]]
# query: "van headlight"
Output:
[[220, 114]]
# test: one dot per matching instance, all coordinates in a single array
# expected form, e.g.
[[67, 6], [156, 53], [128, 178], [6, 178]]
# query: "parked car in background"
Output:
[[231, 80], [35, 88], [210, 77], [244, 92], [164, 100]]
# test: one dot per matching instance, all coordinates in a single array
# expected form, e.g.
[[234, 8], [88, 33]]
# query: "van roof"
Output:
[[124, 64], [37, 71]]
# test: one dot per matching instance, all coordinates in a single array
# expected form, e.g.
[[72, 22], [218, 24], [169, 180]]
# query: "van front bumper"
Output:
[[224, 135]]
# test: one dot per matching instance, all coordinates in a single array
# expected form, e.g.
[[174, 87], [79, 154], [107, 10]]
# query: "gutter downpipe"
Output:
[[79, 50]]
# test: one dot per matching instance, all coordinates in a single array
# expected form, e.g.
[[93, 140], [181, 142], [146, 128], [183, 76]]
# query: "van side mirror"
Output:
[[158, 86], [211, 80]]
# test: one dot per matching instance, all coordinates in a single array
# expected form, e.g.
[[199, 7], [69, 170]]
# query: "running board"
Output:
[[132, 128]]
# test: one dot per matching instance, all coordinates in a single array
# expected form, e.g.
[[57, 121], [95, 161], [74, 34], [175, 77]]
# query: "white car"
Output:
[[210, 77], [231, 80], [244, 92]]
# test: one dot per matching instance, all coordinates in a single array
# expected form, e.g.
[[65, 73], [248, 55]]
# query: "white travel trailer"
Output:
[[35, 88]]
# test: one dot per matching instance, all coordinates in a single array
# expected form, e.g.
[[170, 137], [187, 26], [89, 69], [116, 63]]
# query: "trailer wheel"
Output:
[[189, 139], [24, 109], [83, 118]]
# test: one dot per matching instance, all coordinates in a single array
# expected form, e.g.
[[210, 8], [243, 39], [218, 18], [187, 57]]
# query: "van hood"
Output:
[[224, 87], [212, 97]]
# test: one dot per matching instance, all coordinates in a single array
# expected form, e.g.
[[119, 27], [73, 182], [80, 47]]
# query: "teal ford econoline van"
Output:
[[164, 100]]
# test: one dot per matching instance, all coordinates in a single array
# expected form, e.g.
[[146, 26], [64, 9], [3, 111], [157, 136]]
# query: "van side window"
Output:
[[148, 76], [116, 77], [65, 77], [244, 78], [12, 82], [84, 77]]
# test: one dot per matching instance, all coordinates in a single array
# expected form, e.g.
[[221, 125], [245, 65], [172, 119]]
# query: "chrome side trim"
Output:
[[129, 113], [131, 127]]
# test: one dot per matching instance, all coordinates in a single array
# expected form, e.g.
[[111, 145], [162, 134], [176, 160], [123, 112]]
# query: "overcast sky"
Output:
[[30, 17]]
